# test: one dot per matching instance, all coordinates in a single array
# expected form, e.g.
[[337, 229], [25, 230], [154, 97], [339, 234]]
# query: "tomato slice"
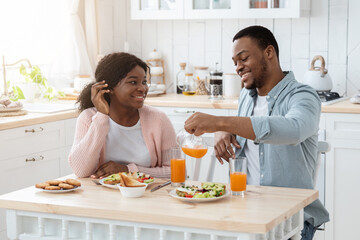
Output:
[[188, 196]]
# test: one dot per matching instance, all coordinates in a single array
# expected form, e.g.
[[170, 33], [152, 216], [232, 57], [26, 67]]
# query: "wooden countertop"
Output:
[[37, 118], [195, 101], [341, 107], [202, 101], [260, 210]]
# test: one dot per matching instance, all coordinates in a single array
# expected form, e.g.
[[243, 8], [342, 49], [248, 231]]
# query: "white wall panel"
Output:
[[148, 32], [196, 43], [119, 25], [282, 33], [353, 81], [212, 42], [268, 23], [337, 73], [299, 67], [319, 26], [353, 27], [133, 33], [229, 29], [338, 34], [105, 27], [164, 45]]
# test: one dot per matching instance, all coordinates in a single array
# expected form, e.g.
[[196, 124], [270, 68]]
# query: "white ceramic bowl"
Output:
[[132, 192]]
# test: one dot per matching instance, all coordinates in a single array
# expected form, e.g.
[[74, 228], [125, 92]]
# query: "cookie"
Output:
[[66, 186], [73, 182], [42, 185], [54, 182], [52, 188]]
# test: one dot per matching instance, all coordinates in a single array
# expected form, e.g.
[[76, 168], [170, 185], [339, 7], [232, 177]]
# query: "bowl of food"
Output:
[[130, 187], [132, 192]]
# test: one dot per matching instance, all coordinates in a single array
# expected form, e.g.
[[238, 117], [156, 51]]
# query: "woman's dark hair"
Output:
[[261, 35], [112, 68]]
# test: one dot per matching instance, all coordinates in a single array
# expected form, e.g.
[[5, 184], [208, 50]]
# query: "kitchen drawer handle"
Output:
[[34, 159], [34, 130], [184, 111]]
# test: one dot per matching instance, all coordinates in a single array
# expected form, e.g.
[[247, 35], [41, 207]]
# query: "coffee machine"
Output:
[[215, 85]]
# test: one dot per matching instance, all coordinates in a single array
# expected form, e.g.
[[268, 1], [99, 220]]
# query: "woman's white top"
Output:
[[251, 149], [126, 145]]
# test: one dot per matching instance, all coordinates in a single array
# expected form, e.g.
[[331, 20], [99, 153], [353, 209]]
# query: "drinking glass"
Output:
[[178, 167], [238, 168]]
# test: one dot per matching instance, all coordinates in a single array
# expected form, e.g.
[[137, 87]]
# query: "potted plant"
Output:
[[35, 86]]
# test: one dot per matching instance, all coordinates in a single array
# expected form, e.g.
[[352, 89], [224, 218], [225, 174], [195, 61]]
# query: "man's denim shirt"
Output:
[[287, 138]]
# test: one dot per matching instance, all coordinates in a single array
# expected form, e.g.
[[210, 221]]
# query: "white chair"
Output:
[[323, 147]]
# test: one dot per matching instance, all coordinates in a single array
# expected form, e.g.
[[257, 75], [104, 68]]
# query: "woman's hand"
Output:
[[97, 97], [223, 148], [109, 168]]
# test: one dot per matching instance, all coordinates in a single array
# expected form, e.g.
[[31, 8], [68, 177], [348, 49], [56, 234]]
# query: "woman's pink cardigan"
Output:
[[92, 127]]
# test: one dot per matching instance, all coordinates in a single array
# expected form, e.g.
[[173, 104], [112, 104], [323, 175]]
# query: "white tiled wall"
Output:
[[331, 30]]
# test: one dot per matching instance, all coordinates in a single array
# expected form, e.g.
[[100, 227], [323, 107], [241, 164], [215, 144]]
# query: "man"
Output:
[[277, 123]]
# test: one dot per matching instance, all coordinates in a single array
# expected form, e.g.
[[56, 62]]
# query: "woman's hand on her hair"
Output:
[[97, 97], [109, 168]]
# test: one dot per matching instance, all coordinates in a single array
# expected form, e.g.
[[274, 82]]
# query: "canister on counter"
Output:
[[201, 76], [232, 85]]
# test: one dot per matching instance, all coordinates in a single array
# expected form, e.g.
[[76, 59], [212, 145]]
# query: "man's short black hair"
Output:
[[262, 35]]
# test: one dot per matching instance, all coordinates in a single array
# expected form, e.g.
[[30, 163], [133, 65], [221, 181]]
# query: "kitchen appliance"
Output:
[[319, 79], [215, 85]]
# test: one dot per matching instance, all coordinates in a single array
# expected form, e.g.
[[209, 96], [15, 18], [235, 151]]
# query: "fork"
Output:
[[96, 182]]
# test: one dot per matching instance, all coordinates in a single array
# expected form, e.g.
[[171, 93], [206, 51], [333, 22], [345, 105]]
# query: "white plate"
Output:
[[113, 186], [174, 195], [154, 93], [10, 109], [60, 191]]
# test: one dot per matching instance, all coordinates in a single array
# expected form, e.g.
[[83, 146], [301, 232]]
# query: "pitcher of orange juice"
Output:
[[191, 145]]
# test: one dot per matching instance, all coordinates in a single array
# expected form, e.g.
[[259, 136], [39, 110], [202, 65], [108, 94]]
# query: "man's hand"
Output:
[[223, 148], [109, 168], [200, 123], [97, 97]]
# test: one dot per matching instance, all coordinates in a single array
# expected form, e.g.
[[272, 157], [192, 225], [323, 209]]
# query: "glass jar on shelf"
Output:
[[180, 78], [189, 87]]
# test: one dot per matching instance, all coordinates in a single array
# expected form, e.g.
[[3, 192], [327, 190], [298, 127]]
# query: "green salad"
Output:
[[207, 190]]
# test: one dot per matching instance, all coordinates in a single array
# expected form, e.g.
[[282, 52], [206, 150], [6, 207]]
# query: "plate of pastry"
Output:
[[59, 186]]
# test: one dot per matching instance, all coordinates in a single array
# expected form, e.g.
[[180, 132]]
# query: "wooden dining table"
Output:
[[97, 212]]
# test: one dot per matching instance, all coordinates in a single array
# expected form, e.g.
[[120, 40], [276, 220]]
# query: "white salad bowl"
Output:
[[132, 192]]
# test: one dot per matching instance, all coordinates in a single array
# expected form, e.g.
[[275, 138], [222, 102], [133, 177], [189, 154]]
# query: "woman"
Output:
[[115, 131]]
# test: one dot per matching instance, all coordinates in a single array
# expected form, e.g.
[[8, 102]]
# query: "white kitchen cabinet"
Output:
[[33, 154], [272, 8], [31, 139], [211, 9], [342, 175], [157, 9], [217, 9]]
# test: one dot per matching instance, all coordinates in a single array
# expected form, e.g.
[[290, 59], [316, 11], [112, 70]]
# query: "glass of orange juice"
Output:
[[238, 168], [178, 167]]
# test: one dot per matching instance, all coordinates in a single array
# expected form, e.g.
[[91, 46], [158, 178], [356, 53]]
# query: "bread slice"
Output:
[[130, 182]]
